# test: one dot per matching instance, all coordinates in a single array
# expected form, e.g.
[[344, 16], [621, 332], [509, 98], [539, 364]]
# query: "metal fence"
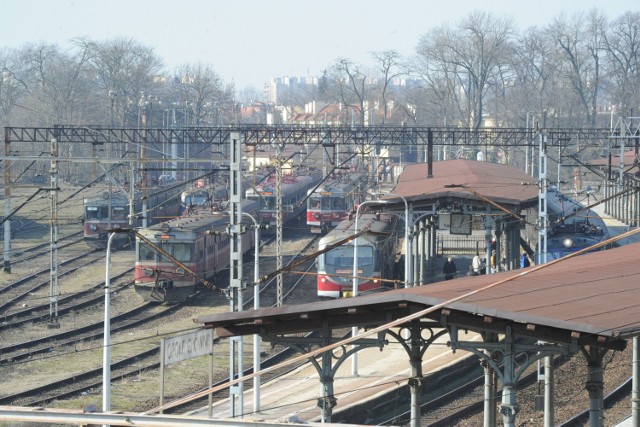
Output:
[[447, 245]]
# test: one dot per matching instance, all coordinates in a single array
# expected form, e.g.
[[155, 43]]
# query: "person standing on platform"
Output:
[[476, 264], [449, 269], [493, 261], [524, 260]]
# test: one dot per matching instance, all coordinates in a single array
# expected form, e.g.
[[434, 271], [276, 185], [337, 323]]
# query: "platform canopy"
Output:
[[462, 179], [591, 299]]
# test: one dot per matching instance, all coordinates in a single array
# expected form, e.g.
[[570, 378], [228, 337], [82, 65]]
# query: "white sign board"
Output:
[[188, 346]]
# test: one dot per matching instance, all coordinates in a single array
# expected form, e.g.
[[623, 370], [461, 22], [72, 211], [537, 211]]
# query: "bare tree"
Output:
[[470, 56], [126, 68], [13, 84], [388, 63], [622, 44], [207, 96], [349, 83], [62, 84], [580, 42]]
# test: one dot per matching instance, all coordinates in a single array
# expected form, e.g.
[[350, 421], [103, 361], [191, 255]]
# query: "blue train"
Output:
[[572, 227]]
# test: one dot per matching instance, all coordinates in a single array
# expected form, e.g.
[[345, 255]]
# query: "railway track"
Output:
[[30, 253], [28, 286], [84, 381]]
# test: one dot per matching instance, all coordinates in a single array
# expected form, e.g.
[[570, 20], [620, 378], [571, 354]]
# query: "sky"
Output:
[[248, 42]]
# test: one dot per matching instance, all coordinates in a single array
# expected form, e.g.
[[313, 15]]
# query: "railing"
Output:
[[460, 245]]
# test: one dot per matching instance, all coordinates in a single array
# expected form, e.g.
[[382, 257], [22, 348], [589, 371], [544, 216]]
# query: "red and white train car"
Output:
[[376, 256], [294, 190], [198, 241], [333, 201]]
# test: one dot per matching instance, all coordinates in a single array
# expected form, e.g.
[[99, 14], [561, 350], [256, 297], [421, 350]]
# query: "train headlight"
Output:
[[180, 271], [148, 272], [93, 227], [568, 242], [323, 280]]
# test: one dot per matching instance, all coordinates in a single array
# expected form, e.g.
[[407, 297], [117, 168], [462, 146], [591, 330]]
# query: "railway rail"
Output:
[[84, 381]]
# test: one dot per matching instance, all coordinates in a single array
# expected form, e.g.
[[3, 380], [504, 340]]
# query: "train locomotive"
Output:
[[198, 241], [377, 254], [294, 191], [332, 201], [204, 195], [98, 219], [580, 229]]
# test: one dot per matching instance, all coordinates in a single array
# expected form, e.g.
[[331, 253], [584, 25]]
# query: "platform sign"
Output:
[[184, 347], [188, 346]]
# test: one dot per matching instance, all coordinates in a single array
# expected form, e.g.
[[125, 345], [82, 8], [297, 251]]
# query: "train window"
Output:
[[268, 202], [182, 251], [91, 212], [145, 253], [314, 203], [343, 257], [118, 213], [337, 203]]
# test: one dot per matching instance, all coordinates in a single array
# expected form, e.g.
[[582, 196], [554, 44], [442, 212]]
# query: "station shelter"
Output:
[[465, 207]]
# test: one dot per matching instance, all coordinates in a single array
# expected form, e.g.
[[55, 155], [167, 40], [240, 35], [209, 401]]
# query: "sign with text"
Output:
[[188, 346]]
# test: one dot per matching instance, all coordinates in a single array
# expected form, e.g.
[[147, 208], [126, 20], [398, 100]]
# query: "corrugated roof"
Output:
[[500, 183], [594, 296]]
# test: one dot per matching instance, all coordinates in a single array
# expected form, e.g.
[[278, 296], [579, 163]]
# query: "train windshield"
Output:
[[145, 253], [338, 203], [96, 212], [343, 256], [180, 251], [118, 213], [314, 202], [268, 202]]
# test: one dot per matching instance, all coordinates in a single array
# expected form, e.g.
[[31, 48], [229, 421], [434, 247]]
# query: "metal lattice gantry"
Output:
[[299, 135]]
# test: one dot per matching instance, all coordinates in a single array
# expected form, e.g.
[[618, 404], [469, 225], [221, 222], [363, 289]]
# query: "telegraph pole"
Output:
[[53, 271], [279, 166], [236, 285]]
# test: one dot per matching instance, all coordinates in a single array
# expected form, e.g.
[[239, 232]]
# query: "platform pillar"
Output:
[[415, 361], [327, 401], [635, 383], [549, 401], [595, 384], [509, 408], [489, 385]]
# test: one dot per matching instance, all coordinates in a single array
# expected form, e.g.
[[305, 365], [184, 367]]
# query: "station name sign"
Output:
[[188, 346]]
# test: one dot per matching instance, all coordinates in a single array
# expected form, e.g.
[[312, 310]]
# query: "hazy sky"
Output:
[[250, 41]]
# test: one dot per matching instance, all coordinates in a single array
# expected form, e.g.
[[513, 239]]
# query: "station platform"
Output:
[[616, 227], [293, 398]]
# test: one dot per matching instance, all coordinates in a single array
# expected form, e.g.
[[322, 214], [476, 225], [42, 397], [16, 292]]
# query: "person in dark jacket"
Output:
[[449, 269]]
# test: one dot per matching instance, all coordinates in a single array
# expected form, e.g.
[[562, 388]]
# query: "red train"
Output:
[[377, 254], [161, 205], [294, 190], [198, 241], [333, 201]]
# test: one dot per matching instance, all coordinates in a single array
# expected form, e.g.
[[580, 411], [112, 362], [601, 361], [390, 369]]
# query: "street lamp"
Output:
[[354, 330], [106, 354], [408, 260]]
